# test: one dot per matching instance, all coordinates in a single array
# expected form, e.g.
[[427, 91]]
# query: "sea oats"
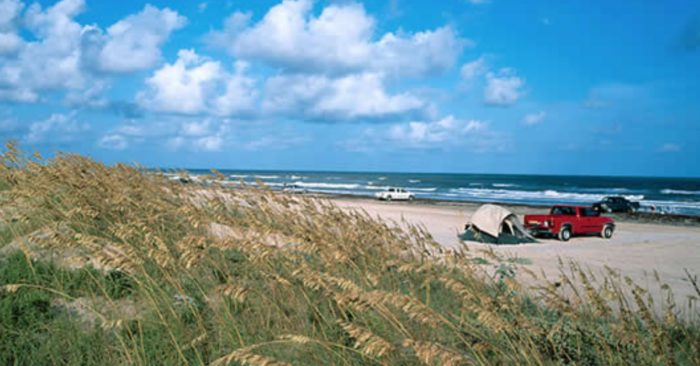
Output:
[[366, 341]]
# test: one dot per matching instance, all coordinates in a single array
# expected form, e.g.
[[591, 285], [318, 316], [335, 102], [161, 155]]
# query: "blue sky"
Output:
[[497, 86]]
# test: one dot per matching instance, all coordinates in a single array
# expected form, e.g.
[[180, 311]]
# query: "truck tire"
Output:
[[607, 232], [411, 198], [388, 197], [565, 233]]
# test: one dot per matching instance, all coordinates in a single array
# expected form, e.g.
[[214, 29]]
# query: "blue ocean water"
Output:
[[670, 195]]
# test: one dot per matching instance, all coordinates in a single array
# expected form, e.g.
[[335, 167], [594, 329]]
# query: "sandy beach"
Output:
[[636, 250]]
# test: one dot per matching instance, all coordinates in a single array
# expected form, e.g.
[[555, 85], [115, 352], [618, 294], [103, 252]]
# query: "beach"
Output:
[[636, 250]]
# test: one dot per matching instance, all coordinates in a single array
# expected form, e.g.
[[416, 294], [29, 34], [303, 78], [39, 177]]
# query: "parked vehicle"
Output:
[[395, 194], [616, 204], [293, 188], [565, 221]]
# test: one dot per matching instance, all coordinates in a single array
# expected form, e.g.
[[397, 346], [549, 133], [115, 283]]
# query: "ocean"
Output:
[[667, 195]]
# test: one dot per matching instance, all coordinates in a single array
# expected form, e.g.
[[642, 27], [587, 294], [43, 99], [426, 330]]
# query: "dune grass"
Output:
[[113, 265]]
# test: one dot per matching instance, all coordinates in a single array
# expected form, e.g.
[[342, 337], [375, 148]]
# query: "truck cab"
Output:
[[565, 221], [395, 194]]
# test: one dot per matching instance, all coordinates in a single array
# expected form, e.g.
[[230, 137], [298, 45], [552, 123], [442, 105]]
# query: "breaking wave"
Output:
[[518, 195], [680, 192]]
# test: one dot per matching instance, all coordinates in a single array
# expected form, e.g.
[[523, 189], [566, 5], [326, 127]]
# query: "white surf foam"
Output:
[[680, 192]]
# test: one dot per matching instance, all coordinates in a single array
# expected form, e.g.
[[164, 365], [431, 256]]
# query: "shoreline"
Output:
[[520, 209]]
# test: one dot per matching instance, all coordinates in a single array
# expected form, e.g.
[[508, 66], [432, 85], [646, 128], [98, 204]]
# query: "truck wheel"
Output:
[[607, 232], [411, 198], [388, 198], [565, 234]]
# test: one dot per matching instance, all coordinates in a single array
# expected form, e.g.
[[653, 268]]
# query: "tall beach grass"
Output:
[[111, 265]]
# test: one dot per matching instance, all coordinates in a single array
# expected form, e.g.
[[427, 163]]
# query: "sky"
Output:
[[466, 86]]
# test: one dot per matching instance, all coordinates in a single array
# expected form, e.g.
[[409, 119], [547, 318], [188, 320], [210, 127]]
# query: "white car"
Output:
[[395, 194]]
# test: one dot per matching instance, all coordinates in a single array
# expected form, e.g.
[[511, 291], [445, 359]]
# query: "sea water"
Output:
[[668, 195]]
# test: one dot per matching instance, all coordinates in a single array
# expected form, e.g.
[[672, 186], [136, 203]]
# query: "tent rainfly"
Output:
[[496, 225]]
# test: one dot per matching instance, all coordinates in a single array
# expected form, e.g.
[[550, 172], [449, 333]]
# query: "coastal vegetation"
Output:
[[116, 265]]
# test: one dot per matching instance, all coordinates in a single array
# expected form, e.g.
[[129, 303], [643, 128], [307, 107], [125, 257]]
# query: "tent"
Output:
[[496, 225]]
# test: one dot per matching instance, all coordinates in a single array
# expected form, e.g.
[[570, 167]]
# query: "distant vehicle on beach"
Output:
[[616, 204], [395, 194], [565, 221], [294, 188]]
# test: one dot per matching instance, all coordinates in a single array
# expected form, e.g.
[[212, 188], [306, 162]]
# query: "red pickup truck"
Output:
[[565, 221]]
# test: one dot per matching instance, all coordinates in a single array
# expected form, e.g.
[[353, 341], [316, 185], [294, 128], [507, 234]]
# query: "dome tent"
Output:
[[495, 225]]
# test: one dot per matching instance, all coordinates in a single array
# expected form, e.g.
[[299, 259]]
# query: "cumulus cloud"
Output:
[[356, 96], [132, 43], [59, 54], [198, 85], [503, 88], [57, 128], [532, 119], [339, 40], [55, 48]]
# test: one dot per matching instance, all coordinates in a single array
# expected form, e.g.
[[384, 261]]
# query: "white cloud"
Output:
[[182, 87], [358, 96], [670, 148], [532, 119], [240, 93], [60, 54], [446, 133], [56, 47], [209, 143], [198, 85], [174, 133], [10, 10], [113, 142], [444, 130], [57, 128], [339, 40], [133, 43], [471, 70], [503, 88]]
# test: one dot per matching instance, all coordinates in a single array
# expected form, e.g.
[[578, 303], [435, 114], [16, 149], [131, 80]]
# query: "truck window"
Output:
[[589, 212], [560, 210]]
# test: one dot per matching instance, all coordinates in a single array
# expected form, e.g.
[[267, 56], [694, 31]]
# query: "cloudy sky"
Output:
[[484, 86]]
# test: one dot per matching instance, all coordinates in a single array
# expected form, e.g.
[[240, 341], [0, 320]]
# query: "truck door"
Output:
[[590, 220]]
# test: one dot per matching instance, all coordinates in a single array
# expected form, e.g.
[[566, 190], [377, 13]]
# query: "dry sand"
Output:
[[635, 250]]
